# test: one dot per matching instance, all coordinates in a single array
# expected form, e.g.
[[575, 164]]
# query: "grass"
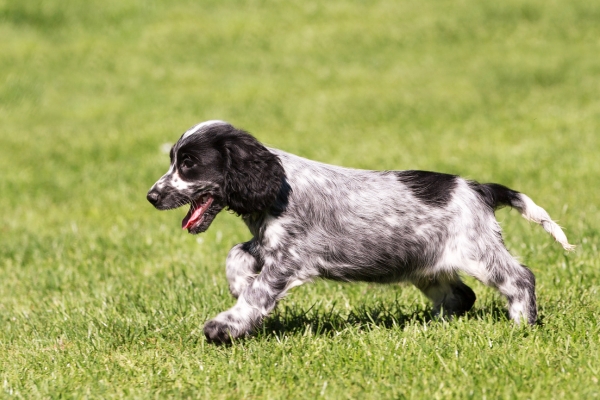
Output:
[[102, 296]]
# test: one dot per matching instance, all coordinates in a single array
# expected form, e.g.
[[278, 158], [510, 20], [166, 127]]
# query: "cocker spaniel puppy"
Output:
[[313, 220]]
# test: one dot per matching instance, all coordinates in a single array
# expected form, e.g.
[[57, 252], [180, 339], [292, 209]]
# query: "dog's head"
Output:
[[214, 166]]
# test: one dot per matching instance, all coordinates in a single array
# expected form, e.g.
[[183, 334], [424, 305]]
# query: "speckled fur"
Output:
[[376, 226]]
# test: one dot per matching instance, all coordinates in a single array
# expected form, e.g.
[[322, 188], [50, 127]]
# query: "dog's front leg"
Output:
[[253, 305], [241, 268]]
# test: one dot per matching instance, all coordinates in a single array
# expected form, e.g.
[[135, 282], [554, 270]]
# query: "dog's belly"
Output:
[[365, 256]]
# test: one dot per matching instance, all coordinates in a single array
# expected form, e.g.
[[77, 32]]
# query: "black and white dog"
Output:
[[311, 220]]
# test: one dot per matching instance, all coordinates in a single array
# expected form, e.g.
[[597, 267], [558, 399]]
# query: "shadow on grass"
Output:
[[328, 322], [316, 321]]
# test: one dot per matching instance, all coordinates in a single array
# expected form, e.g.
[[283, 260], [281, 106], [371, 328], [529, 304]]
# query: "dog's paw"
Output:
[[221, 332]]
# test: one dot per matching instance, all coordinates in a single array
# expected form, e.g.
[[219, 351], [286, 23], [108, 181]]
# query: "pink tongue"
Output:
[[193, 217]]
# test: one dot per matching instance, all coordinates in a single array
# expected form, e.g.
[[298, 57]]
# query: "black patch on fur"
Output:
[[282, 199], [432, 188], [253, 175], [496, 195], [251, 248], [464, 298]]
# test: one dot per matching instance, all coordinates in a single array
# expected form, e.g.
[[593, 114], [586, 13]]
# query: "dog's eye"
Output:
[[187, 162]]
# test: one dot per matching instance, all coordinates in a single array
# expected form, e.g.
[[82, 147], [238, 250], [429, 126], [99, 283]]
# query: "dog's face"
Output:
[[213, 166], [195, 177]]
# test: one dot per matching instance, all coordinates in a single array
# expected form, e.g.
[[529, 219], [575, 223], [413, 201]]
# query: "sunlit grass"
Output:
[[102, 296]]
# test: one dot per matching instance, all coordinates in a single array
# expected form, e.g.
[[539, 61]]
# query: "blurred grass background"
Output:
[[103, 296]]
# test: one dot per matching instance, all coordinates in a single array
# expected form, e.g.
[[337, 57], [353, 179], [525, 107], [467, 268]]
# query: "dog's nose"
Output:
[[153, 196]]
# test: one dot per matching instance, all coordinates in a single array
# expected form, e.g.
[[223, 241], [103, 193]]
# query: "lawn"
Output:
[[102, 296]]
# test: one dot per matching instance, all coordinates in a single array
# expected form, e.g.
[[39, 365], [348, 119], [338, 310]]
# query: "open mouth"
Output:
[[195, 215]]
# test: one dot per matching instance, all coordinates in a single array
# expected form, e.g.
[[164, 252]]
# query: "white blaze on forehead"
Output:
[[197, 128]]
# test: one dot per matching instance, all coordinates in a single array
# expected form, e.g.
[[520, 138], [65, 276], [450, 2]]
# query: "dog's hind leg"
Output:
[[516, 282], [450, 296], [241, 268]]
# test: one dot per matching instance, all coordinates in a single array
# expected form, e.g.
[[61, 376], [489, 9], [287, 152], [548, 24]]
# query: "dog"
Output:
[[312, 220]]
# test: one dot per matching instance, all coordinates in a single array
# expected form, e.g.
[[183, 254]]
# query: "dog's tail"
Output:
[[497, 196]]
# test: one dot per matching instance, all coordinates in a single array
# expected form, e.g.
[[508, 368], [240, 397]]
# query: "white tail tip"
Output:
[[533, 212]]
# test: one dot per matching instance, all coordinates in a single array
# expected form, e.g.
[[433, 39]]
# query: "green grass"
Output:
[[102, 296]]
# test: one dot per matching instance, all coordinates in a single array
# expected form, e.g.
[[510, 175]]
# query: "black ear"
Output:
[[253, 175]]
